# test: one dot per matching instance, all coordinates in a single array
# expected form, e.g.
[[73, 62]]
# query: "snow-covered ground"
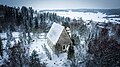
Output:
[[98, 17], [56, 61], [85, 16], [3, 35], [39, 40], [114, 20]]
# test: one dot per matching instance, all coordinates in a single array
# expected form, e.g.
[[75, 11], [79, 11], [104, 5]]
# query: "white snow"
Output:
[[4, 43], [3, 35], [85, 16], [111, 33], [60, 61], [55, 32], [12, 43], [42, 35], [27, 34], [114, 19], [37, 45], [112, 15], [1, 60], [17, 39], [34, 15], [15, 34], [56, 61], [98, 17]]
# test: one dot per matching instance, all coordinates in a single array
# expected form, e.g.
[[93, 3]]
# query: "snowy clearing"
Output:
[[98, 17], [56, 61]]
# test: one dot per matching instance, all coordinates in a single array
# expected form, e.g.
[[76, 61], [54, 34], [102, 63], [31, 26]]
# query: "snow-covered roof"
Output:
[[55, 32]]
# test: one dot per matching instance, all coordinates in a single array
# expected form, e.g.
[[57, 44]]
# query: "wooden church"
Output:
[[58, 38]]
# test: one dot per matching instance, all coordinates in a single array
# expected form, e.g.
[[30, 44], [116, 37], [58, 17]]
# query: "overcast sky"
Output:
[[63, 4]]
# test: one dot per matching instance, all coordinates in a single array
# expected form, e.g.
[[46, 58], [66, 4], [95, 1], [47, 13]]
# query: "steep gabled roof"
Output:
[[55, 32]]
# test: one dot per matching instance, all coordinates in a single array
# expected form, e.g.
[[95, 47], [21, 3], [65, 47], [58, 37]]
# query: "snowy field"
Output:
[[98, 17], [85, 16]]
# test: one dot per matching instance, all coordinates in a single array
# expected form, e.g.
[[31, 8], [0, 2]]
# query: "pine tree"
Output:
[[16, 56], [47, 52], [71, 55], [34, 60], [1, 47], [36, 22], [71, 52], [30, 16]]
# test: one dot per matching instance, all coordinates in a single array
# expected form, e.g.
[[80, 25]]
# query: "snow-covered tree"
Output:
[[70, 52], [35, 61], [1, 47], [47, 52], [17, 56], [36, 22]]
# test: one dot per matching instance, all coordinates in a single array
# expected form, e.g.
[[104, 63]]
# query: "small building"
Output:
[[58, 39]]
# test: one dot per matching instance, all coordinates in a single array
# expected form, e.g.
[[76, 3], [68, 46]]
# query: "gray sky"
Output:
[[63, 4]]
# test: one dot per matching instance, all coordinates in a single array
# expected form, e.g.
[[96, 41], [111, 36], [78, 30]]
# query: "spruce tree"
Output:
[[1, 47], [16, 56], [36, 22], [34, 60], [71, 52]]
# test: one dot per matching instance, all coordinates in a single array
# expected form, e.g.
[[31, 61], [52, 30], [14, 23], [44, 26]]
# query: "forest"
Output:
[[96, 44]]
